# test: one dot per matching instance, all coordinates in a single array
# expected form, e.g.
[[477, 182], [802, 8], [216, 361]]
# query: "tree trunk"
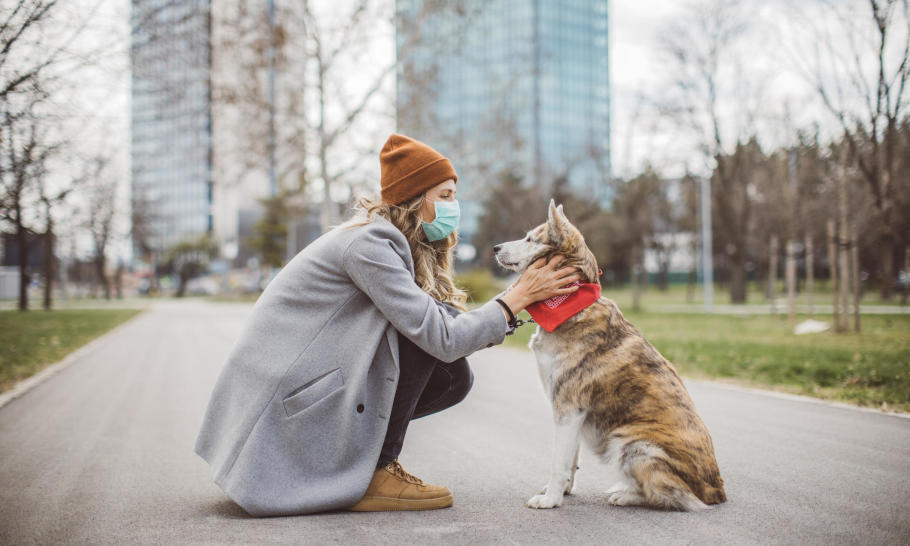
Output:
[[690, 286], [48, 264], [118, 282], [854, 276], [886, 248], [832, 270], [791, 279], [636, 280], [181, 285], [844, 274], [22, 242], [738, 276], [772, 274], [905, 280], [99, 273], [810, 275], [663, 275]]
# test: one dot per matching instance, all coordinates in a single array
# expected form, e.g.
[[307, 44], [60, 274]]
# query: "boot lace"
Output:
[[395, 468]]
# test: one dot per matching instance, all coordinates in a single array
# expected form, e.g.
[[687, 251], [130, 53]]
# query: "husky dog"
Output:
[[612, 388]]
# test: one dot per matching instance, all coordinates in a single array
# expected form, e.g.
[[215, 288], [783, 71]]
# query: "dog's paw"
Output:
[[543, 501], [624, 497]]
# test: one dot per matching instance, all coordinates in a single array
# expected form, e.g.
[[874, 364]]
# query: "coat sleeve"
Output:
[[379, 270]]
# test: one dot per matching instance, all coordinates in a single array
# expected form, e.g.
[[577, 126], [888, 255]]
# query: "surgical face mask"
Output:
[[447, 214]]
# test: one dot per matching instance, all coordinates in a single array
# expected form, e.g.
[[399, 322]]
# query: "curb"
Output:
[[29, 383], [770, 393], [798, 398]]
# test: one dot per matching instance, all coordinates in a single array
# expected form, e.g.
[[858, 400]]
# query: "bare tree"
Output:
[[320, 124], [40, 61], [19, 22], [50, 200], [718, 104], [641, 207], [143, 222], [100, 195], [22, 163], [858, 63], [22, 152]]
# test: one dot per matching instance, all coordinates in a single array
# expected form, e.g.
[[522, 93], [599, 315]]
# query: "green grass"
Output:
[[677, 294], [868, 369], [32, 340], [482, 285]]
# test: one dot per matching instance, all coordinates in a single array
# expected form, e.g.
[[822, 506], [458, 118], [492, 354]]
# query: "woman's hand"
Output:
[[540, 281]]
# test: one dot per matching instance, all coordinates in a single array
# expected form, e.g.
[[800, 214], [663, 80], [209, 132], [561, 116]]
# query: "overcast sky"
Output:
[[637, 69]]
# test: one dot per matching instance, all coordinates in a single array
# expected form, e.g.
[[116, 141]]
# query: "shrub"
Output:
[[480, 285]]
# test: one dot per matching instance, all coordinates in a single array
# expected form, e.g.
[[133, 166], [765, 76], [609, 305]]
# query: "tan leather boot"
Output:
[[394, 489]]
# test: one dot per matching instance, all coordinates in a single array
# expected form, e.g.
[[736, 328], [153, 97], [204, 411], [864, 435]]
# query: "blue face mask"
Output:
[[447, 214]]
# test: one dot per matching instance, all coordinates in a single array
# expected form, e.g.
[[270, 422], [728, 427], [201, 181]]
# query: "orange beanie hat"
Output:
[[409, 168]]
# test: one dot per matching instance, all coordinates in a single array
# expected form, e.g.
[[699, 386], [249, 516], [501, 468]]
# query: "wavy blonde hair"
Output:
[[432, 259]]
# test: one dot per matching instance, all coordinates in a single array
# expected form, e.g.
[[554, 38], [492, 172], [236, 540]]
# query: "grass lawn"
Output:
[[32, 340], [868, 369], [677, 294]]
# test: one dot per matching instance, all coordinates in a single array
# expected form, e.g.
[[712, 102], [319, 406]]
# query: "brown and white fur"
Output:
[[612, 388]]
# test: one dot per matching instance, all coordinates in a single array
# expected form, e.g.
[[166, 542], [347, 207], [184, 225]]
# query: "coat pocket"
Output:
[[313, 391]]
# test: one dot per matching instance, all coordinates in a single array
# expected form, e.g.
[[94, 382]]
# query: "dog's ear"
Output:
[[561, 214], [555, 223]]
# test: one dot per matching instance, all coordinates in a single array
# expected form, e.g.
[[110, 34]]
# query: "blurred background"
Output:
[[163, 147], [747, 158]]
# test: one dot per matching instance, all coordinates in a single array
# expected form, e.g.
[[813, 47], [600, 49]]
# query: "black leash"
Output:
[[514, 322]]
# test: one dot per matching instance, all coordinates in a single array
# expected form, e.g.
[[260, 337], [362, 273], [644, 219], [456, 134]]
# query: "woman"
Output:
[[356, 335]]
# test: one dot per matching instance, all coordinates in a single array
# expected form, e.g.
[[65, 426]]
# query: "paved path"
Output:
[[102, 453]]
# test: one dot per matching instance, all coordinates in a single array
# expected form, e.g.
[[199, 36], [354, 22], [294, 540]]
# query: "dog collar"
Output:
[[549, 314]]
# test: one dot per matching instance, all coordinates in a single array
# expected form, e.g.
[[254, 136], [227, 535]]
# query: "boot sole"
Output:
[[387, 504]]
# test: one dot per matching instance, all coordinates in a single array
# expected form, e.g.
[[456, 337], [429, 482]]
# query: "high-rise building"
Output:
[[522, 85], [200, 121], [171, 112]]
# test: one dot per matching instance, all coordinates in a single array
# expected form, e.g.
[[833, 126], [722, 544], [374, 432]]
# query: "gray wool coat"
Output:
[[299, 412]]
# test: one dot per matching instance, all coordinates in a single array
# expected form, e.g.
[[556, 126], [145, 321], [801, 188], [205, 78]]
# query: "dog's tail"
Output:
[[662, 488]]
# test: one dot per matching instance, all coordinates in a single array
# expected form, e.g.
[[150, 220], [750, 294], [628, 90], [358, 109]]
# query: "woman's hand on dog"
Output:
[[540, 281]]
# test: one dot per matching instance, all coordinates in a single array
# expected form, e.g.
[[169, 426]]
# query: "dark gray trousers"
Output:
[[426, 385]]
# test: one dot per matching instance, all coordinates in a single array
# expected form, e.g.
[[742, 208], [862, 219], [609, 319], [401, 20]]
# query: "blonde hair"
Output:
[[432, 259]]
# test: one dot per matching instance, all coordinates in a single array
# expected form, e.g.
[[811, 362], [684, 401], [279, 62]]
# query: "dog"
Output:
[[611, 388]]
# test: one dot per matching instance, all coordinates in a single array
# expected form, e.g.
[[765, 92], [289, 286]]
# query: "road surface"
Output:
[[102, 453]]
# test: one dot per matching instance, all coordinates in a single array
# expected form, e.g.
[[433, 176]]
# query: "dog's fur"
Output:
[[612, 388]]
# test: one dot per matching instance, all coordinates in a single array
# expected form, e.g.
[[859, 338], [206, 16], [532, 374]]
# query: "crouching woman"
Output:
[[359, 333]]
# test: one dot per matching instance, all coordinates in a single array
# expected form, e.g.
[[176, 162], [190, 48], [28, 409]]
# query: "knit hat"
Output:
[[409, 168]]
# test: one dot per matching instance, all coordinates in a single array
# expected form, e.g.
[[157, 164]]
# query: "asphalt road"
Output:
[[102, 453]]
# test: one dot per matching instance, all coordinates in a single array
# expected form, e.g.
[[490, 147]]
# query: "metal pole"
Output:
[[854, 275], [772, 274], [791, 279], [832, 267], [707, 260], [273, 182]]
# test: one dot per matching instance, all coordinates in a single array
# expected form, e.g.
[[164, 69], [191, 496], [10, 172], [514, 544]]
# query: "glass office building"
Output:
[[508, 84], [171, 147]]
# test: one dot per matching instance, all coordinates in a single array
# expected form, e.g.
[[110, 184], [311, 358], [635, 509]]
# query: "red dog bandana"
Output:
[[552, 312]]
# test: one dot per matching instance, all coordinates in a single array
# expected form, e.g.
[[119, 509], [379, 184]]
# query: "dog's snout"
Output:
[[497, 248]]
